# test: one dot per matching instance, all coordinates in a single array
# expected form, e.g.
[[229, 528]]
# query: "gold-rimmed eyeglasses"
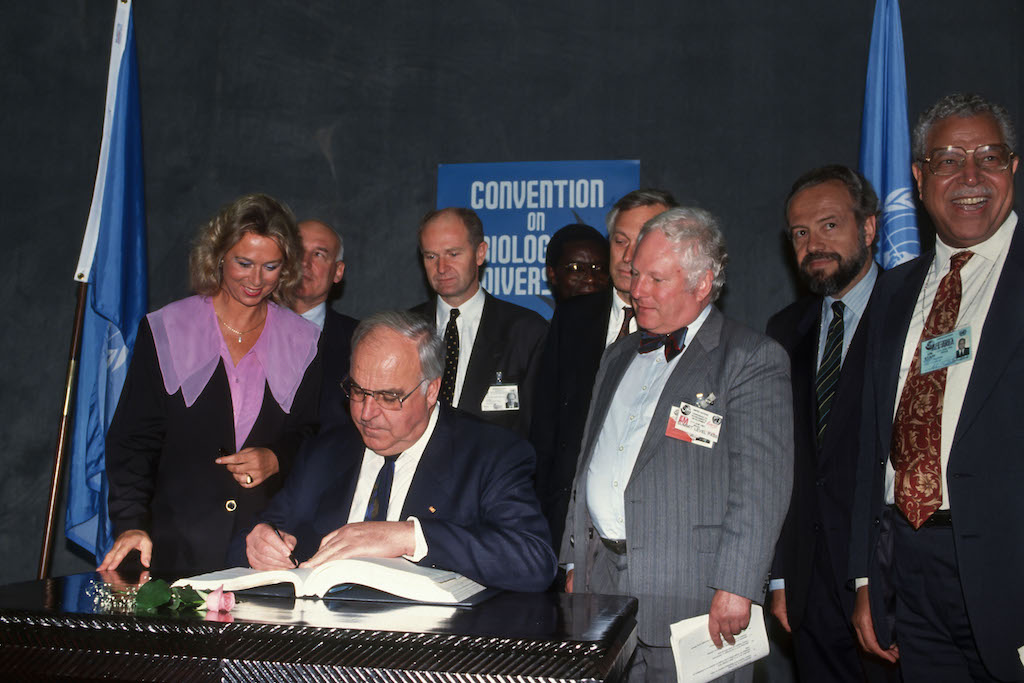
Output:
[[949, 160], [388, 400]]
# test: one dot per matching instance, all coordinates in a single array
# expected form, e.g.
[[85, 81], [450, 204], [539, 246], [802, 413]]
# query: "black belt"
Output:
[[939, 518], [617, 547]]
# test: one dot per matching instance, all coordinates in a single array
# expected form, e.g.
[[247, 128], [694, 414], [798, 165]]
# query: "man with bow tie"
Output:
[[686, 465], [410, 478]]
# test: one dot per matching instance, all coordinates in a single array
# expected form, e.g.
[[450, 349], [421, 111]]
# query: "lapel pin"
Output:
[[432, 509], [704, 402]]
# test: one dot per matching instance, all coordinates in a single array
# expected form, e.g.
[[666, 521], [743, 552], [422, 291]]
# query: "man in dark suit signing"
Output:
[[831, 214], [323, 266], [410, 479], [492, 347], [687, 456], [937, 547], [581, 328]]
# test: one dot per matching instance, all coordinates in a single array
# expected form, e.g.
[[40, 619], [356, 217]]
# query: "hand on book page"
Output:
[[365, 539]]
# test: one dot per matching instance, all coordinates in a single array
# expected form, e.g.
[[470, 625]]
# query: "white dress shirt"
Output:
[[616, 318], [405, 469], [317, 314], [978, 278], [630, 414], [468, 323]]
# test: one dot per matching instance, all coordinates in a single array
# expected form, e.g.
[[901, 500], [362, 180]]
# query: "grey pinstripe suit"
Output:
[[697, 519]]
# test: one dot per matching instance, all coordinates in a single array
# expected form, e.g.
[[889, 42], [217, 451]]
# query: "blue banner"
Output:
[[885, 155], [113, 261], [522, 204]]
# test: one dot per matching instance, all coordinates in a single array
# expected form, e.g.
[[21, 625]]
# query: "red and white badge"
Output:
[[690, 423]]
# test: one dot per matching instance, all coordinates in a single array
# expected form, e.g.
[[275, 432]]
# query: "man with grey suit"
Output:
[[687, 458]]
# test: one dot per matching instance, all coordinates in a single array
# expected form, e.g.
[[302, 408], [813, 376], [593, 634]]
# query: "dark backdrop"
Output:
[[344, 110]]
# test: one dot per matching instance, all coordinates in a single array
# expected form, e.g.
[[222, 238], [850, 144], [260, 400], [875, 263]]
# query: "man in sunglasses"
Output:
[[410, 478], [937, 547]]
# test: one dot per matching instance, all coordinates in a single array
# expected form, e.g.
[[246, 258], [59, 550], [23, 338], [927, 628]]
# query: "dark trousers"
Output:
[[932, 629], [650, 663], [825, 644]]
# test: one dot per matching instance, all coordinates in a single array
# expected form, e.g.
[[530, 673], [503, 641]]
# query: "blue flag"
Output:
[[113, 262], [885, 138]]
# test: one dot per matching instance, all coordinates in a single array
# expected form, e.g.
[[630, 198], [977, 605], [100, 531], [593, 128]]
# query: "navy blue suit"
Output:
[[985, 472], [472, 493], [812, 553]]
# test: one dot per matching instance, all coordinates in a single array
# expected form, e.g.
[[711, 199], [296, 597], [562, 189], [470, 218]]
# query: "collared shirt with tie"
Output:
[[468, 324], [978, 284], [617, 447]]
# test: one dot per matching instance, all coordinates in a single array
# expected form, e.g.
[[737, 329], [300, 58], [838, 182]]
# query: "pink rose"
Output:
[[219, 601]]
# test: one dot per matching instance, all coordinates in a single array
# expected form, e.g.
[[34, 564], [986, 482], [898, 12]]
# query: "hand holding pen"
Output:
[[268, 548]]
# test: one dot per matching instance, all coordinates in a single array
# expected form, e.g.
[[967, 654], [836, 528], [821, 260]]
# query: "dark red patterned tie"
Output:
[[627, 315], [917, 430]]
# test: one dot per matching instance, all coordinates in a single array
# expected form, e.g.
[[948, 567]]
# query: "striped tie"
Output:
[[828, 373]]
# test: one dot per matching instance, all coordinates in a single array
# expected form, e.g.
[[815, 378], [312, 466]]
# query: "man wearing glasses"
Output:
[[937, 548], [576, 262], [410, 479]]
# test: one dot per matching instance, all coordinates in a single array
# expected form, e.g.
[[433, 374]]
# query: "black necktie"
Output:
[[377, 508], [831, 362], [451, 358], [674, 342]]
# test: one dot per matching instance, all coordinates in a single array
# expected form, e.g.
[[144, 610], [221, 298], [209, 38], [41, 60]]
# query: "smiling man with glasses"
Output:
[[399, 483], [938, 517]]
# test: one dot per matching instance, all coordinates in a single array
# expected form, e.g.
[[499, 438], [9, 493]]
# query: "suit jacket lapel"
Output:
[[688, 376], [804, 366], [483, 347], [618, 359], [432, 482], [896, 323], [1002, 332]]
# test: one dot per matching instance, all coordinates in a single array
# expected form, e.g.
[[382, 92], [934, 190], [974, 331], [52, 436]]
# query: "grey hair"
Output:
[[697, 238], [413, 327], [964, 105], [648, 196]]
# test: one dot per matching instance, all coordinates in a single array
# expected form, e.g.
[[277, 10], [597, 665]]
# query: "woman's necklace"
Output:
[[240, 334]]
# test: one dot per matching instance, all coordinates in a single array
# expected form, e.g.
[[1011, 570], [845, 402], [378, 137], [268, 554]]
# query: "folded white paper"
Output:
[[697, 658]]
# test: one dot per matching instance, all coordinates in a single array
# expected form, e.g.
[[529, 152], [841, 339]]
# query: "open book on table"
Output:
[[396, 576]]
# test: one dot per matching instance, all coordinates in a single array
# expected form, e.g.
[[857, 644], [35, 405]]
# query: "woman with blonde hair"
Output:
[[222, 388]]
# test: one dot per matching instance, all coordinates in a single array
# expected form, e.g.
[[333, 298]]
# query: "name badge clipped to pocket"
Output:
[[946, 349], [500, 397], [693, 424]]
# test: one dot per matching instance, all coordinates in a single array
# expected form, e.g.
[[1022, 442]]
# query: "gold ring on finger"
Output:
[[248, 479]]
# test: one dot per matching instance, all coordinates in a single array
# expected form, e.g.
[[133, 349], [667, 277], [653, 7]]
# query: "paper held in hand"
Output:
[[397, 576], [697, 658]]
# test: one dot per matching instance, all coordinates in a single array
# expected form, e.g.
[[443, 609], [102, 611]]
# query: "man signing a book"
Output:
[[408, 478]]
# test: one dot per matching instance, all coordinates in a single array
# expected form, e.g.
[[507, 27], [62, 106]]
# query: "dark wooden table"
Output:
[[57, 629]]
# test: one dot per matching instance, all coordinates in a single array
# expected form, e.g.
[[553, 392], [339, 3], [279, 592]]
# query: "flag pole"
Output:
[[57, 476]]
